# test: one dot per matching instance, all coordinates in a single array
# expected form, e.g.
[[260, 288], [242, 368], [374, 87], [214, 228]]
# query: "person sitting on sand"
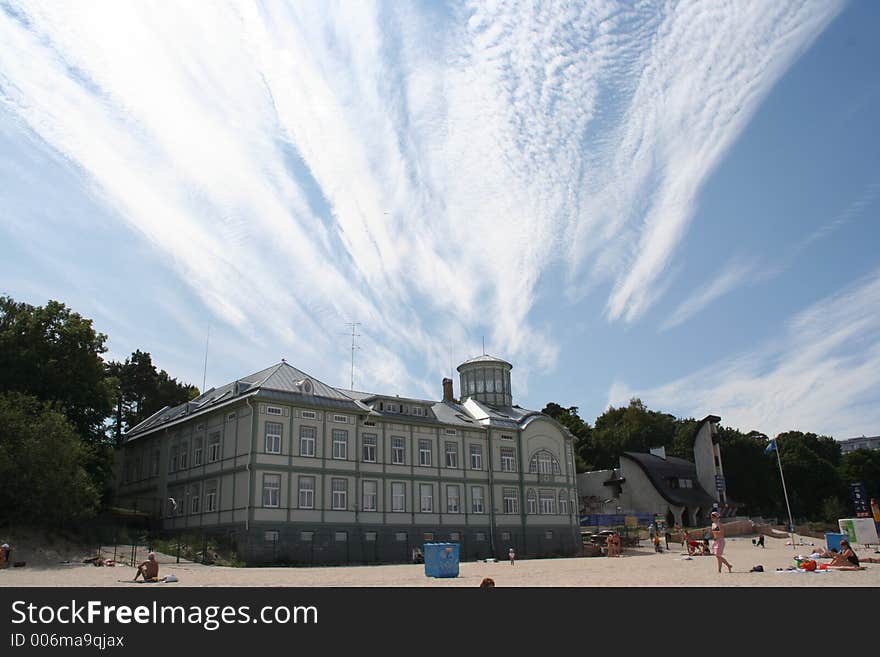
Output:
[[5, 551], [847, 557], [149, 569]]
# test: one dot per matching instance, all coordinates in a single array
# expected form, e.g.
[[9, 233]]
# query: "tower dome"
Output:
[[486, 379]]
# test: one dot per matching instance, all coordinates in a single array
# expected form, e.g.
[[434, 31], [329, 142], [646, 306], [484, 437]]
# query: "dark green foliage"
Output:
[[44, 465], [569, 418]]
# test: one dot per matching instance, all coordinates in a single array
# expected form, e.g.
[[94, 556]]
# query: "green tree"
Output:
[[43, 465], [862, 465], [140, 390], [630, 428], [569, 418], [54, 354], [752, 479], [810, 477]]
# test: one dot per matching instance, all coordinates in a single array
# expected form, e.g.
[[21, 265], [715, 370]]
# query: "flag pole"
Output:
[[784, 492]]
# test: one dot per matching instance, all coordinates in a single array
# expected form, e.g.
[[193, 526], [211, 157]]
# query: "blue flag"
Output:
[[771, 447]]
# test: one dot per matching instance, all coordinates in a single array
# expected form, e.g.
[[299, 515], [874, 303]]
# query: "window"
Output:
[[418, 411], [454, 537], [480, 536], [340, 444], [214, 447], [563, 503], [508, 459], [370, 537], [309, 415], [184, 456], [342, 419], [195, 498], [307, 441], [306, 492], [452, 499], [273, 437], [390, 408], [172, 460], [369, 423], [157, 457], [506, 436], [428, 537], [532, 502], [230, 417], [340, 494], [477, 499], [369, 448], [398, 451], [510, 500], [398, 497], [210, 496], [505, 536], [341, 537], [426, 498], [548, 534], [451, 455], [272, 490], [271, 535], [369, 496], [450, 432], [548, 502], [197, 452], [400, 537], [273, 410], [425, 452], [306, 537], [476, 457]]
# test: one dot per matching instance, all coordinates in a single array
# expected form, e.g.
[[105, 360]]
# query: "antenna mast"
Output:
[[354, 334], [205, 371]]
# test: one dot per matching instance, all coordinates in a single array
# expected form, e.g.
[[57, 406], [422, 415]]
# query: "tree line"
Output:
[[62, 409], [817, 474]]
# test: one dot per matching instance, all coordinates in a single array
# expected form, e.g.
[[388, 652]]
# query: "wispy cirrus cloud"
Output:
[[819, 375], [418, 168]]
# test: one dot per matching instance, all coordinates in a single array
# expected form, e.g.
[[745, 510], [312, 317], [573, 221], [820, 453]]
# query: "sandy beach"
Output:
[[637, 567]]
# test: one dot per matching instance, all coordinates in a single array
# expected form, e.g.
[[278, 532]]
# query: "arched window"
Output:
[[543, 463], [532, 501]]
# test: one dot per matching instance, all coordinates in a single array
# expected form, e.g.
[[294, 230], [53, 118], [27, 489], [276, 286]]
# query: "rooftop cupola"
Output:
[[486, 379]]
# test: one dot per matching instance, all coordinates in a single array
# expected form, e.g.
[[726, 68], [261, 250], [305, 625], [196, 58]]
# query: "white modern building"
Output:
[[862, 442], [293, 469]]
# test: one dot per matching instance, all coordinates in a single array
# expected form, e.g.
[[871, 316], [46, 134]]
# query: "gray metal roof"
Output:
[[485, 358]]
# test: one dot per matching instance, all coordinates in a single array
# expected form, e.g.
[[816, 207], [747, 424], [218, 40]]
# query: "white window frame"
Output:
[[369, 499], [271, 492], [426, 501], [211, 488], [531, 502], [398, 497], [195, 499], [390, 407], [451, 455], [197, 452], [309, 415], [425, 453], [172, 461], [476, 457], [272, 440], [307, 441], [450, 432], [418, 411], [340, 444], [563, 503], [478, 500], [274, 410], [453, 498], [341, 419], [511, 501], [306, 492], [214, 448], [508, 459], [339, 491], [547, 502], [398, 450], [370, 443], [183, 458]]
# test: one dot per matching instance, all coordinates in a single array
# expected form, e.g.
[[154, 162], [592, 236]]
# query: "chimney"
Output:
[[448, 395], [659, 451]]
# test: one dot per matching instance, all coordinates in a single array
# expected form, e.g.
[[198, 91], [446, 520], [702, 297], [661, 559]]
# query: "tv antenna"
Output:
[[354, 334]]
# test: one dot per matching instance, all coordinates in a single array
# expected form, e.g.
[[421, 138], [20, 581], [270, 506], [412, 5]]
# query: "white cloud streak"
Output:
[[305, 165], [820, 375]]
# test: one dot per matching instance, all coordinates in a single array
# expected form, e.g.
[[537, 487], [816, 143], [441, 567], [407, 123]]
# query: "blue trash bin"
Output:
[[833, 540], [441, 559]]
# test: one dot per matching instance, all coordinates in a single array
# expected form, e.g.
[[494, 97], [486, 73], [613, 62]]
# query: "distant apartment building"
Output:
[[292, 469], [863, 442]]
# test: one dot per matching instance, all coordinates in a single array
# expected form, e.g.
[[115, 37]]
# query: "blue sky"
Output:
[[677, 201]]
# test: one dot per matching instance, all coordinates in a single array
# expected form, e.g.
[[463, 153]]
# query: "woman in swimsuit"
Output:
[[847, 557], [718, 548]]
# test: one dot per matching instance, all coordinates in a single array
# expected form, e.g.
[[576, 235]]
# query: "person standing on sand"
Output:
[[718, 547], [511, 555]]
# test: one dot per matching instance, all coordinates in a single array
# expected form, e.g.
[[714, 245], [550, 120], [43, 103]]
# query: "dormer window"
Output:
[[306, 386]]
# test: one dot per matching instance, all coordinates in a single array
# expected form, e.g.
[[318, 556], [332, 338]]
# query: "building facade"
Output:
[[294, 470], [681, 491], [862, 442]]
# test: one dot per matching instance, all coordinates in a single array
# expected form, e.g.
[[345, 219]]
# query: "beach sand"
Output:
[[637, 567]]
